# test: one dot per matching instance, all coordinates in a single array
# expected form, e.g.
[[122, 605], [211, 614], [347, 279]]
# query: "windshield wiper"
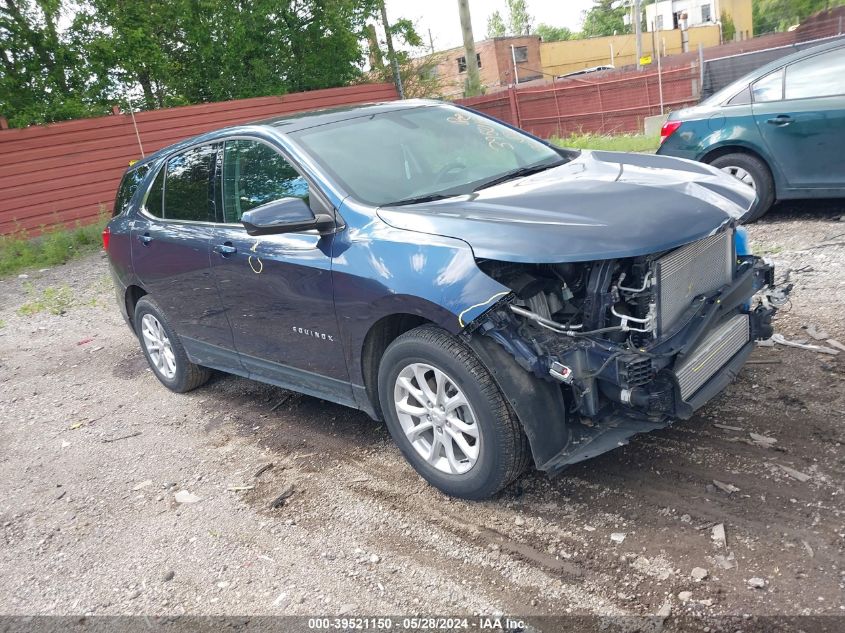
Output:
[[518, 173], [427, 198]]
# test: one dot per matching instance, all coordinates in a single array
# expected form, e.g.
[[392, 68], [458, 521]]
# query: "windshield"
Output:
[[413, 154]]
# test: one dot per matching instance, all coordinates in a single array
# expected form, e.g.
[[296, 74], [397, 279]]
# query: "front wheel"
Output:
[[447, 415], [753, 172]]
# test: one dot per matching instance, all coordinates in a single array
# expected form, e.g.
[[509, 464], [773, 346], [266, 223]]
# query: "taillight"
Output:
[[106, 236], [668, 129]]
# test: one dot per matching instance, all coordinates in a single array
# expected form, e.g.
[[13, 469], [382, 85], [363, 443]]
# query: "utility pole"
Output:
[[638, 29], [473, 82], [394, 65]]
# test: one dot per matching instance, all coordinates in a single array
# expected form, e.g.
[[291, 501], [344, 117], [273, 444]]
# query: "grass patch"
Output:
[[53, 300], [55, 246], [612, 143]]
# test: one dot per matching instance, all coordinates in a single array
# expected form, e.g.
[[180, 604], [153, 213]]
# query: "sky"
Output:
[[441, 16]]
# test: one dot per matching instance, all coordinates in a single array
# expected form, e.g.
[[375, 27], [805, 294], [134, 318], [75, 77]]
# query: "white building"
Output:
[[675, 14]]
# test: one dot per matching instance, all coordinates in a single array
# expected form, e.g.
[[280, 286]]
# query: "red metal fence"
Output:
[[66, 172], [605, 105]]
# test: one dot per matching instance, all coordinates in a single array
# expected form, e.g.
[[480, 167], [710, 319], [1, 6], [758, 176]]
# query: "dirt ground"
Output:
[[94, 450]]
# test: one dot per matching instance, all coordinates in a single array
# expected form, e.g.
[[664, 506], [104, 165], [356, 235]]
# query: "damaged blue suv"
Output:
[[493, 298]]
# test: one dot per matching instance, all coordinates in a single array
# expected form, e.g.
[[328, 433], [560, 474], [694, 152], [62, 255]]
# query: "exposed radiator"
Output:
[[692, 270], [712, 353]]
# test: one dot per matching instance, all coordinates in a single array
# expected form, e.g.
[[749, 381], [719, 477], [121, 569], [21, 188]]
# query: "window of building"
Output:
[[706, 13], [658, 23], [462, 62], [520, 53]]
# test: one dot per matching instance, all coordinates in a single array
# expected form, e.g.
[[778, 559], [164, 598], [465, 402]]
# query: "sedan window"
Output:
[[819, 76], [769, 88], [421, 153], [188, 194], [255, 174]]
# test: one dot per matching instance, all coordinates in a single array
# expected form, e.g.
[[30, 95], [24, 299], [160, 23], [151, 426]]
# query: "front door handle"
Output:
[[226, 249], [781, 120], [145, 239]]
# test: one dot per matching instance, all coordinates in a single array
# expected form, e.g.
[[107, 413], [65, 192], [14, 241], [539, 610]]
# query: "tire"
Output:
[[173, 369], [493, 460], [759, 173]]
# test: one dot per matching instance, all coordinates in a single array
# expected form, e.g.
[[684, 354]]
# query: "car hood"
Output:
[[601, 205]]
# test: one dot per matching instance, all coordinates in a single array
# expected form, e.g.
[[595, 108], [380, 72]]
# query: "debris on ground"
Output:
[[757, 583], [262, 470], [240, 488], [617, 537], [665, 610], [279, 501], [808, 548], [168, 576], [795, 474], [108, 440], [142, 485], [728, 427], [836, 344], [685, 596], [183, 496], [725, 562], [817, 333], [762, 440], [727, 488], [718, 535], [699, 573], [779, 338]]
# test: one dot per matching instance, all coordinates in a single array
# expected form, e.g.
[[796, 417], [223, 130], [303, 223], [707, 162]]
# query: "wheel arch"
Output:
[[131, 297], [377, 339], [733, 148]]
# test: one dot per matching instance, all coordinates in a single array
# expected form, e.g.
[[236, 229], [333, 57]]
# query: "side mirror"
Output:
[[286, 215]]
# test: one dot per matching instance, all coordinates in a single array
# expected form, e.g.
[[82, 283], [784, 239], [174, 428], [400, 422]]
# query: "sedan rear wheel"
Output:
[[753, 172]]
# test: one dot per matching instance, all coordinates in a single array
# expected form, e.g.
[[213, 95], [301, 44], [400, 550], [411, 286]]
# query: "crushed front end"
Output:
[[630, 343]]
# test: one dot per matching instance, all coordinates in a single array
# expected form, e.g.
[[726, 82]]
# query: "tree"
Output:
[[41, 72], [496, 26], [602, 19], [728, 27], [779, 15], [519, 21], [553, 33]]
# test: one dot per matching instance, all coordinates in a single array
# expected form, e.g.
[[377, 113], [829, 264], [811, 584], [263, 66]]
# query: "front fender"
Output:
[[379, 270]]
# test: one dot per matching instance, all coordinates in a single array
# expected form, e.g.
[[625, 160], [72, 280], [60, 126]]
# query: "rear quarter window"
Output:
[[128, 186]]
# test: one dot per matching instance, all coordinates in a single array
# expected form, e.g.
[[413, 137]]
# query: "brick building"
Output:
[[496, 63]]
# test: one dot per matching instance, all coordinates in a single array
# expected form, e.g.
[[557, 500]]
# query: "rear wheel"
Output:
[[164, 350], [447, 415], [753, 172]]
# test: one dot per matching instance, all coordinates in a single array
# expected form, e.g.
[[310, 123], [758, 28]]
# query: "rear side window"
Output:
[[188, 190], [819, 76], [128, 186], [154, 204], [769, 88]]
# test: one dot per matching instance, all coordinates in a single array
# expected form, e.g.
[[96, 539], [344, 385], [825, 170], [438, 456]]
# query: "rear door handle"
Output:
[[225, 249], [145, 239], [781, 120]]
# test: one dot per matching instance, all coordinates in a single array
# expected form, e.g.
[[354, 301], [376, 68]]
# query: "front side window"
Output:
[[188, 186], [408, 153], [128, 186], [769, 88], [253, 175], [819, 76]]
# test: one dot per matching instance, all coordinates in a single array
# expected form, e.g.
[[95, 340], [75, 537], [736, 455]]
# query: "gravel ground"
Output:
[[95, 450]]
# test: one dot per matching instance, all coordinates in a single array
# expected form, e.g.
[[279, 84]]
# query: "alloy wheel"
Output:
[[158, 346], [437, 418], [740, 174]]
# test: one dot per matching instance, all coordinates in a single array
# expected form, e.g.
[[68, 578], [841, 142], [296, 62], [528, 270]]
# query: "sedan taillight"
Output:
[[668, 129], [106, 236]]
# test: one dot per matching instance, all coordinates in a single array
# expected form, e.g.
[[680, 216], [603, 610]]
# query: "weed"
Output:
[[19, 251], [52, 300], [614, 143]]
